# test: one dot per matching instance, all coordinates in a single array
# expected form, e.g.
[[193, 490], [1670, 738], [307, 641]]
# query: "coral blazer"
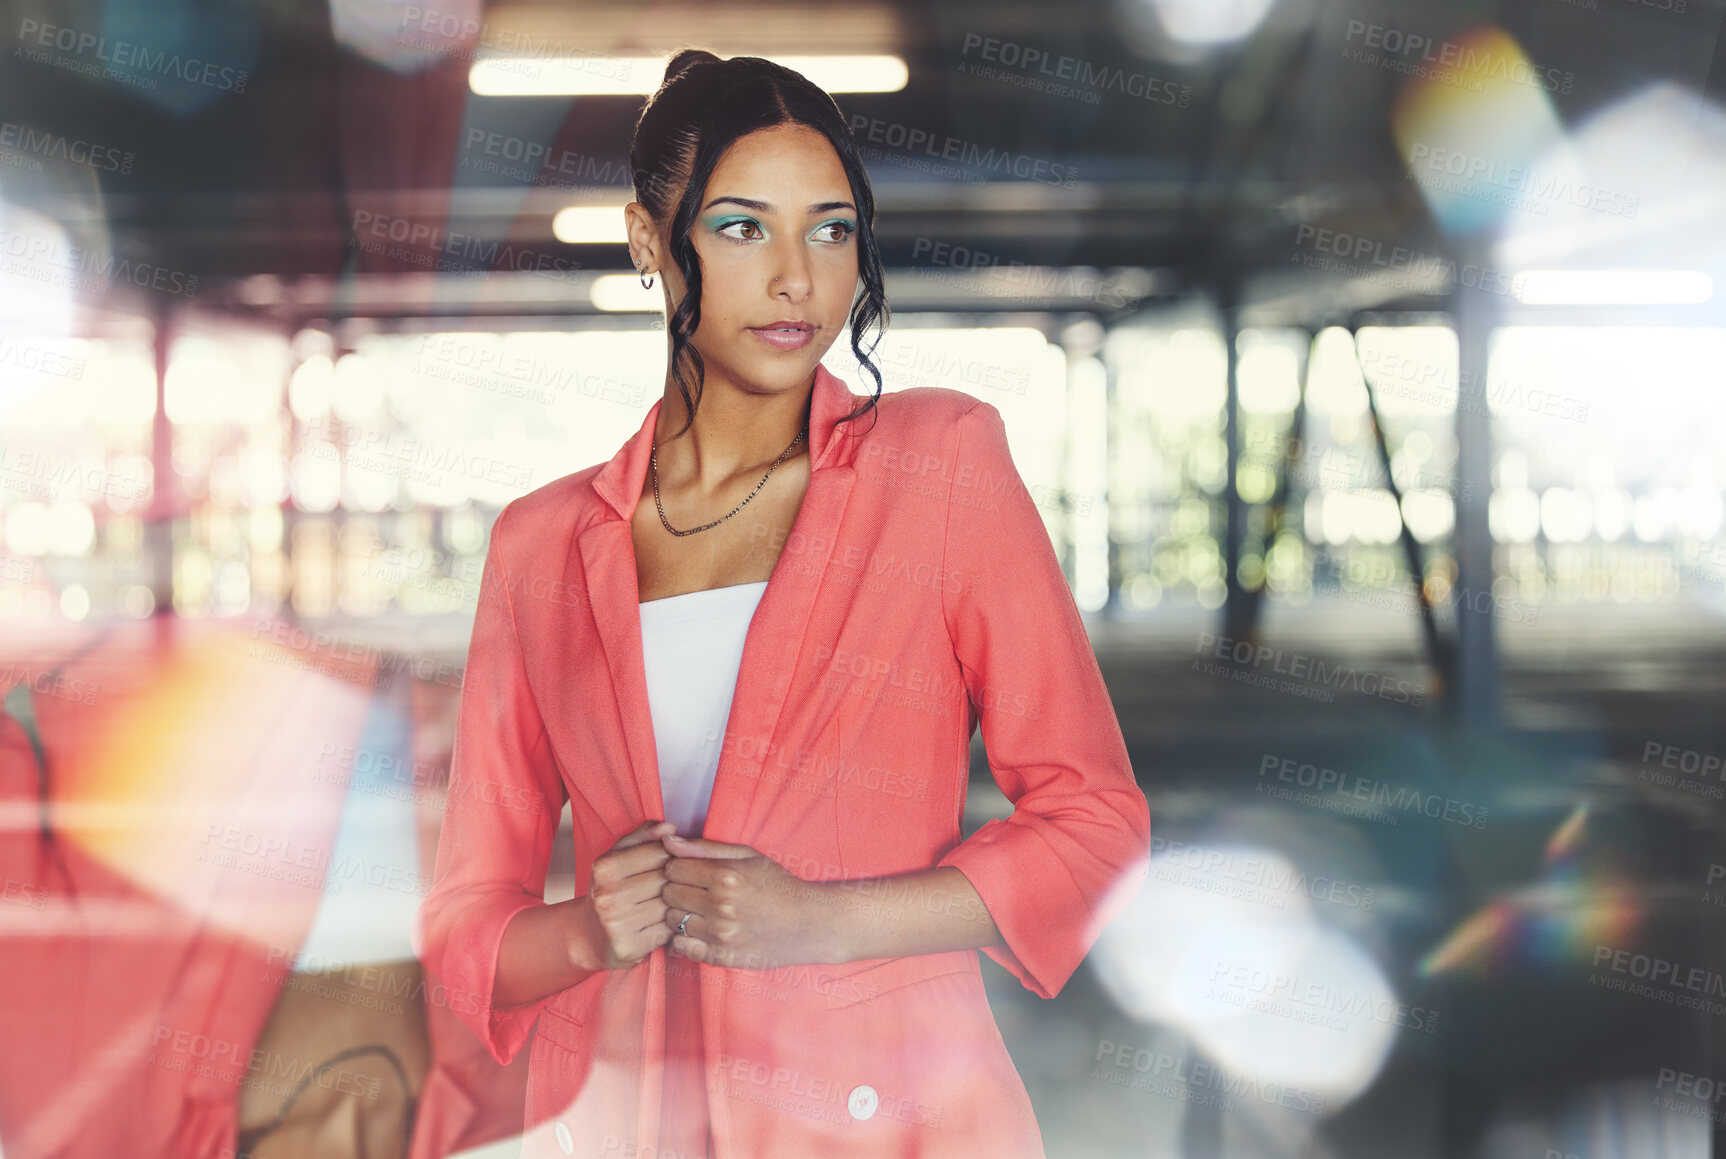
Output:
[[916, 597]]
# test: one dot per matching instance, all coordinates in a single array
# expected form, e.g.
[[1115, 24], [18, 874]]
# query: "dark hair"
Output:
[[703, 106]]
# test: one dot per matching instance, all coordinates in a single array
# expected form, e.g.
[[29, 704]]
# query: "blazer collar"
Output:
[[619, 481]]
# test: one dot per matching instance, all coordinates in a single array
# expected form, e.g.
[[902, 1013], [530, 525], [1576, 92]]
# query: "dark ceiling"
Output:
[[1201, 177]]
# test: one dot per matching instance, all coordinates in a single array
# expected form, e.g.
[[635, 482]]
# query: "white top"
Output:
[[693, 646]]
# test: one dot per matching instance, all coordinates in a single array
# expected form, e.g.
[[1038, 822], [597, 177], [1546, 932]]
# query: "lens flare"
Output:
[[1471, 125], [195, 783], [1560, 918]]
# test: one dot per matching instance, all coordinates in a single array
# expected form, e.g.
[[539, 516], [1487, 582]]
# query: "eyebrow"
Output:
[[763, 206]]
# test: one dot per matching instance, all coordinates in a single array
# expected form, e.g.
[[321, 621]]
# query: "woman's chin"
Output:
[[776, 374]]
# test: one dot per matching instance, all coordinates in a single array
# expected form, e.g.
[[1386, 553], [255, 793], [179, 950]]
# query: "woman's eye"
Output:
[[743, 228], [835, 231]]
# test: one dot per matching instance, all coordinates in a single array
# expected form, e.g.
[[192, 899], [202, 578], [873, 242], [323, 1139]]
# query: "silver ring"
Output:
[[684, 922]]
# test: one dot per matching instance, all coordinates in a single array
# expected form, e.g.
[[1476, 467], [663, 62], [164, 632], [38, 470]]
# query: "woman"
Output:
[[751, 650]]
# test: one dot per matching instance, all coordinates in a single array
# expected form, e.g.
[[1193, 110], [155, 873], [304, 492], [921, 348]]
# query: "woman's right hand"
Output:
[[624, 918]]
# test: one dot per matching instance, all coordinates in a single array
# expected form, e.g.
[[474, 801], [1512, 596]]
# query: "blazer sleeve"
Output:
[[500, 818], [1075, 850]]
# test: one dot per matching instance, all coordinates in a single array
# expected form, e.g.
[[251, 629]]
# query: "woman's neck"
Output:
[[735, 433]]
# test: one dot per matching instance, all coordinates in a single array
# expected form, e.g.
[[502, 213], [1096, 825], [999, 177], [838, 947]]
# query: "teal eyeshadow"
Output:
[[718, 222]]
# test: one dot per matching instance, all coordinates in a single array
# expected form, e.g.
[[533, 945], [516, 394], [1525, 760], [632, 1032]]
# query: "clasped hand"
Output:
[[744, 909]]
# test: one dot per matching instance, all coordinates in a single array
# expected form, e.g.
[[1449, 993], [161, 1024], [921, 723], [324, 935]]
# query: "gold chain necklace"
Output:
[[653, 465]]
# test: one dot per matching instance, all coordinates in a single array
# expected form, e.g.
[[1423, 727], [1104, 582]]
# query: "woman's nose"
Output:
[[791, 275]]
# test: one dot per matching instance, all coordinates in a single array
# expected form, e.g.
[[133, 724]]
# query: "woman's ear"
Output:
[[644, 248]]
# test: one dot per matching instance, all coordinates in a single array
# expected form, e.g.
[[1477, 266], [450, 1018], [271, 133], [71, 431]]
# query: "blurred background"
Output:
[[1366, 359]]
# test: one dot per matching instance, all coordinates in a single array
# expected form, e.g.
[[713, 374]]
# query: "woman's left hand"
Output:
[[745, 909]]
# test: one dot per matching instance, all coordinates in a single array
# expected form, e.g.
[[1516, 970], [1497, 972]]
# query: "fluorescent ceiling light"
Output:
[[850, 74], [1613, 287], [639, 76], [589, 224], [622, 293], [1210, 21]]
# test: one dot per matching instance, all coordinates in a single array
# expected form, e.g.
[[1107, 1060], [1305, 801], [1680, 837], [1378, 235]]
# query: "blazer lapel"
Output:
[[775, 636], [607, 554], [608, 559], [770, 648]]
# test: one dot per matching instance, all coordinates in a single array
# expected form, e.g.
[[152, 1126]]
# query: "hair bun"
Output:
[[684, 59]]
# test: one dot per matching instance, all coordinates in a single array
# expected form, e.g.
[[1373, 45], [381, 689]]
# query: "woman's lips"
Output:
[[784, 337]]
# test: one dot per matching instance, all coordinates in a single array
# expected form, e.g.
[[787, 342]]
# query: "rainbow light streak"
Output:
[[1560, 918]]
